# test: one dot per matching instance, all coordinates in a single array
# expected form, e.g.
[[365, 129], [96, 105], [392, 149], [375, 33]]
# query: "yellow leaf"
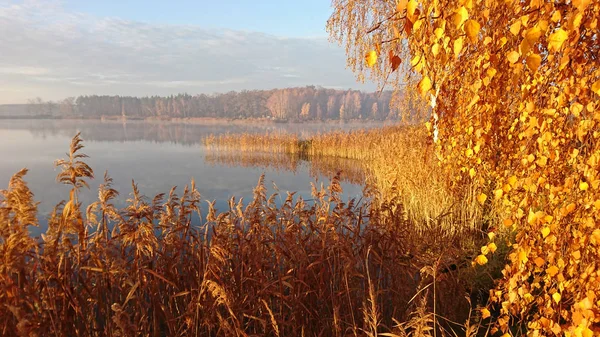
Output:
[[472, 28], [524, 47], [595, 239], [522, 256], [576, 20], [424, 85], [460, 16], [498, 194], [596, 87], [556, 297], [556, 39], [458, 44], [411, 6], [533, 61], [515, 28], [371, 58], [583, 186], [416, 60], [492, 247], [552, 271], [532, 35], [502, 42], [481, 260], [513, 57], [418, 23], [581, 4], [539, 261], [482, 198], [545, 231], [401, 6], [472, 172], [435, 49], [485, 313]]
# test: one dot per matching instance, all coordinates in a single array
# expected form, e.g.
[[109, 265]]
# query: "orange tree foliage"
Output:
[[514, 88]]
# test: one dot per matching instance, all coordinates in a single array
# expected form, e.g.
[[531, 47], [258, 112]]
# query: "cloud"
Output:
[[50, 52]]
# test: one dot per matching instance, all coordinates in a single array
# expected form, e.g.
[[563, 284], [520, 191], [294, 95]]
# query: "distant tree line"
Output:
[[305, 103]]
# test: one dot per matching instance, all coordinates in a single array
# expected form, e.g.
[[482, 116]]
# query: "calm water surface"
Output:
[[157, 155]]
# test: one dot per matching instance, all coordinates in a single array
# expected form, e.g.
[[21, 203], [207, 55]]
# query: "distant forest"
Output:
[[294, 104]]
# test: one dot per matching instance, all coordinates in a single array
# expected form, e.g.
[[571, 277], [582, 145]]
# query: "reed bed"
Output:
[[275, 142], [158, 267], [398, 161]]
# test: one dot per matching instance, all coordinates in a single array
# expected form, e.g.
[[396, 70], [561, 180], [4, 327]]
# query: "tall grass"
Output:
[[398, 162], [250, 142], [323, 268]]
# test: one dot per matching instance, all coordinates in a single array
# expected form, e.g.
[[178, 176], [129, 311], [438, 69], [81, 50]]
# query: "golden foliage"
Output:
[[515, 107]]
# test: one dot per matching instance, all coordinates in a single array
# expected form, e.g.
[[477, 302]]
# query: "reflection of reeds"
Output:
[[326, 268], [398, 162], [351, 171], [277, 161]]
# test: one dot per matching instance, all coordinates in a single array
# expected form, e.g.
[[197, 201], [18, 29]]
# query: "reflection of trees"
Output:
[[163, 132], [352, 171], [178, 133]]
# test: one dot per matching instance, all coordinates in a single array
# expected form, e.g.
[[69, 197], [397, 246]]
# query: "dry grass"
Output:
[[324, 268], [275, 142], [398, 162]]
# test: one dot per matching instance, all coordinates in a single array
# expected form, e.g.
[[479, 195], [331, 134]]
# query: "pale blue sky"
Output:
[[60, 48], [294, 18]]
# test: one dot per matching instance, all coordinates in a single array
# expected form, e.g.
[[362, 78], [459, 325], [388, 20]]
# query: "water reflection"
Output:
[[351, 171], [158, 156], [164, 132]]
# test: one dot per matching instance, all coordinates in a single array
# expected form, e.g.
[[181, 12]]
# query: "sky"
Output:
[[55, 49]]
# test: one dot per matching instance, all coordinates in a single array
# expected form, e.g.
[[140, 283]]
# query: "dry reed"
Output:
[[397, 161], [325, 268]]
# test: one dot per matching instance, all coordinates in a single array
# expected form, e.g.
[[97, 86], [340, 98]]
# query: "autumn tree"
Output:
[[305, 113], [374, 110], [278, 104], [513, 88]]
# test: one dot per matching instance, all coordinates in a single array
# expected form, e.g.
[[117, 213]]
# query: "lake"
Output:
[[159, 155]]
